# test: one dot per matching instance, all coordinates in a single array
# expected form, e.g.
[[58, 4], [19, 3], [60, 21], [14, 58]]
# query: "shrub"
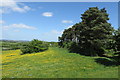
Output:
[[33, 47]]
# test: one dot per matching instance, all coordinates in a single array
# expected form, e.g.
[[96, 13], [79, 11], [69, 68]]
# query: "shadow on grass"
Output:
[[82, 53], [103, 59], [107, 62]]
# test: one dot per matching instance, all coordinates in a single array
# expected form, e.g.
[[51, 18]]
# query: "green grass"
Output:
[[54, 63]]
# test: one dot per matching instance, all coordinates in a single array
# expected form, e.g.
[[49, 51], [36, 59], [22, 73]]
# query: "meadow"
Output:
[[56, 63]]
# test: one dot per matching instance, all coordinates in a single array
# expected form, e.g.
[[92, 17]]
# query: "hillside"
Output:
[[55, 63]]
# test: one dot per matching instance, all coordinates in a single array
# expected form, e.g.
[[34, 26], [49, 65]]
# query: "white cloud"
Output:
[[11, 5], [24, 9], [23, 26], [2, 22], [52, 35], [67, 21], [47, 14], [70, 26]]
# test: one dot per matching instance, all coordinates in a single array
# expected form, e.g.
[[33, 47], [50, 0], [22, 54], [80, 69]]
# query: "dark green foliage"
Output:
[[117, 39], [91, 36], [34, 46], [117, 45]]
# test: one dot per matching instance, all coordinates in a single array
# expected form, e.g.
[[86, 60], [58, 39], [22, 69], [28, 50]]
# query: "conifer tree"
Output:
[[90, 36]]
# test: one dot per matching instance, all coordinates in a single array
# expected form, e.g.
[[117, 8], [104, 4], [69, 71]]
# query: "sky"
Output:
[[47, 20]]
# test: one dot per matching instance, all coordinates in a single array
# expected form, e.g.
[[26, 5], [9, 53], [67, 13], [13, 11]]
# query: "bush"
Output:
[[33, 47]]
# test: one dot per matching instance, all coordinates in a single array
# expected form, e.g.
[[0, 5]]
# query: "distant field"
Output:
[[54, 63]]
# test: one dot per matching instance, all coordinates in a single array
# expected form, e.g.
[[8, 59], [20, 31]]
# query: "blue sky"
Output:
[[46, 21]]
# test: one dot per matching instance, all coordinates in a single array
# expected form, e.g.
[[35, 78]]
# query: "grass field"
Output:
[[54, 63]]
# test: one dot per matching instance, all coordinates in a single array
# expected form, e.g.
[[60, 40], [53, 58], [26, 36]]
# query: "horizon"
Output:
[[46, 21]]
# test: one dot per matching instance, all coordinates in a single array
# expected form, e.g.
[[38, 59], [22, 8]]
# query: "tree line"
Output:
[[27, 47]]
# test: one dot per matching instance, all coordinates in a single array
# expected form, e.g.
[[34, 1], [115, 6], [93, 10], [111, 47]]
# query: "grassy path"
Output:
[[53, 63]]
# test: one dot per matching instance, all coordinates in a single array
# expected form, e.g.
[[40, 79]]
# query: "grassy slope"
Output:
[[55, 63]]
